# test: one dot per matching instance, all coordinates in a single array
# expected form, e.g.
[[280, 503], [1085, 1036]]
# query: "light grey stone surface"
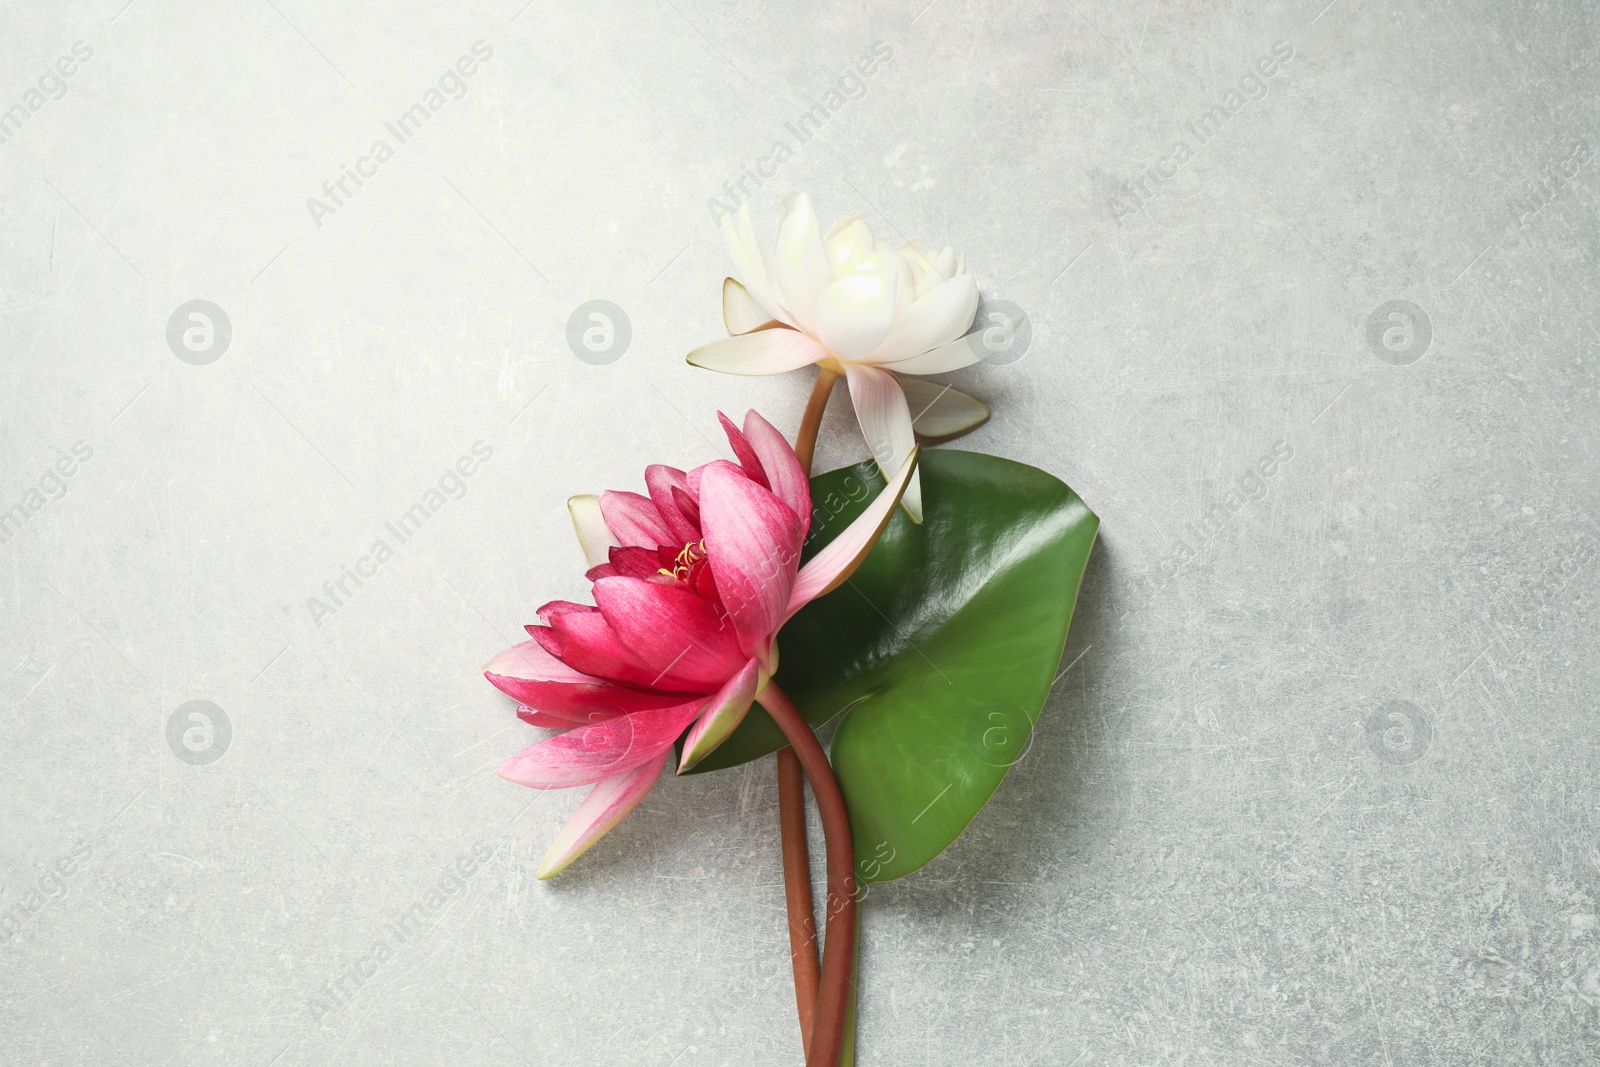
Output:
[[1223, 847]]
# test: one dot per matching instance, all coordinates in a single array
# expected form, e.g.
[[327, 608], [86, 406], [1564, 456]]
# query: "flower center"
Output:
[[683, 566]]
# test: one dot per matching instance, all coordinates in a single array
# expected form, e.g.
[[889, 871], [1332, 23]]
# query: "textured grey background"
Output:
[[1221, 848]]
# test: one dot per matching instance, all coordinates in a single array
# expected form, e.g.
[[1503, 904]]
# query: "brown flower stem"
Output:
[[797, 889], [838, 949], [791, 788], [805, 442]]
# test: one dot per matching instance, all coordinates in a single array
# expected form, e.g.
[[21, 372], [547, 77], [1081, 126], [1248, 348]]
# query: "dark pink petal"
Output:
[[721, 715], [601, 750], [753, 545], [741, 448], [662, 480], [599, 571], [688, 509], [588, 643], [602, 809], [672, 631], [634, 562], [634, 519], [786, 478], [529, 674], [550, 720], [560, 607]]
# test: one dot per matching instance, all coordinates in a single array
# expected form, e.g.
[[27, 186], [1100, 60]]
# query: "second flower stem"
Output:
[[838, 950], [791, 788]]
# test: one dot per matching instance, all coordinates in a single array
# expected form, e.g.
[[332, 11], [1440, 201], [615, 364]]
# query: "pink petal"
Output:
[[530, 675], [551, 720], [762, 352], [560, 607], [601, 750], [720, 716], [602, 809], [671, 631], [886, 423], [662, 480], [753, 545], [786, 478], [588, 643], [634, 519], [746, 455], [633, 563], [688, 508], [829, 568]]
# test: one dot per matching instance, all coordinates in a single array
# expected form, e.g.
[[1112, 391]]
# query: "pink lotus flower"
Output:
[[691, 585]]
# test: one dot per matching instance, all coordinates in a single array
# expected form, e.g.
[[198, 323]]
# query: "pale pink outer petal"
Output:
[[784, 473], [828, 569], [721, 716], [590, 525], [886, 423], [634, 520], [602, 750], [940, 316], [762, 352], [740, 312], [753, 545], [602, 809]]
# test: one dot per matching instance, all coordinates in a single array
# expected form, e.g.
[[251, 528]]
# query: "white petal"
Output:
[[800, 261], [937, 318], [749, 265], [840, 223], [886, 424], [854, 313], [945, 265], [593, 533], [740, 312], [962, 352], [848, 247], [940, 411], [762, 352], [900, 267]]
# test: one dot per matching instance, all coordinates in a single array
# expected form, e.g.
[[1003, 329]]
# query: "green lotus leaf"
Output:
[[942, 647]]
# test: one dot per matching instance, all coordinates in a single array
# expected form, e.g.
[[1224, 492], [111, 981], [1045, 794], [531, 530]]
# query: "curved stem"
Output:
[[791, 788], [797, 889], [838, 949]]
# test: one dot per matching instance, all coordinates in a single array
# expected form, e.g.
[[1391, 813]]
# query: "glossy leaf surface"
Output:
[[942, 647]]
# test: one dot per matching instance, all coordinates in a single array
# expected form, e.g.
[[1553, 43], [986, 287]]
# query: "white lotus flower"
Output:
[[851, 302]]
